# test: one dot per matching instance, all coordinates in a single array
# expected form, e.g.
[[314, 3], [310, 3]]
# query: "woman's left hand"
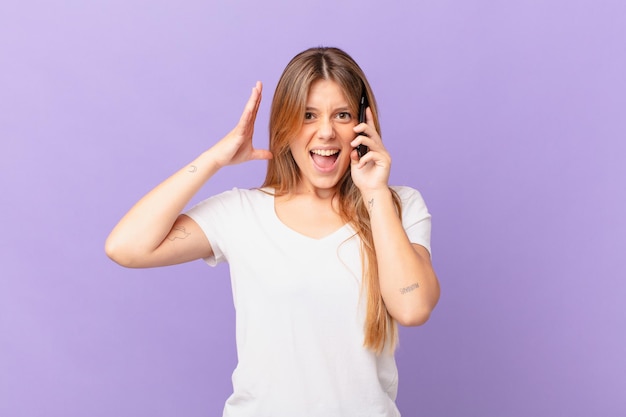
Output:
[[371, 171]]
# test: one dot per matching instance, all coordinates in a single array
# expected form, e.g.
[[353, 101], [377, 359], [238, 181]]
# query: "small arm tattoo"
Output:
[[178, 233], [409, 288], [192, 168]]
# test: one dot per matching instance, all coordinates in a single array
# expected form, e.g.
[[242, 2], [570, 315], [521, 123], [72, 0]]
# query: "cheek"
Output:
[[300, 139], [298, 152], [347, 132], [296, 143]]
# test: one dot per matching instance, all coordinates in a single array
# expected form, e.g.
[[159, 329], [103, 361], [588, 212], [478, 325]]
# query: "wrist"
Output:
[[377, 198], [383, 193], [205, 164], [211, 159]]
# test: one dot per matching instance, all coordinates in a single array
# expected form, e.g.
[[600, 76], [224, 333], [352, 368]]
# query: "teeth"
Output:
[[325, 152]]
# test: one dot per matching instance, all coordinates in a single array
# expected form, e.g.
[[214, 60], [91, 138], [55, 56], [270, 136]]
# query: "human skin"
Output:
[[154, 233]]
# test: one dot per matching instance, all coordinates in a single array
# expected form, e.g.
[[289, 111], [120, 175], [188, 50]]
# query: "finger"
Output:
[[354, 157], [376, 151], [369, 121], [362, 140], [248, 117], [369, 117], [248, 109], [365, 159], [259, 88], [366, 128], [261, 154]]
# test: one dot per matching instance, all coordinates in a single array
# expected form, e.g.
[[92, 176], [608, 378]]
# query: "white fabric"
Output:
[[299, 316]]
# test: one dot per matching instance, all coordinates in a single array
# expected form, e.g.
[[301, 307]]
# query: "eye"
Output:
[[308, 115], [344, 115]]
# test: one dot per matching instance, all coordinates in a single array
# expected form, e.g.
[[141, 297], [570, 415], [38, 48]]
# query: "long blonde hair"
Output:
[[283, 174]]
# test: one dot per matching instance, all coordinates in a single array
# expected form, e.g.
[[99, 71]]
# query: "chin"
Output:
[[327, 184]]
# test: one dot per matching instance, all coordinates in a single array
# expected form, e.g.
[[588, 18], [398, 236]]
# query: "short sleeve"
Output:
[[415, 216], [215, 216]]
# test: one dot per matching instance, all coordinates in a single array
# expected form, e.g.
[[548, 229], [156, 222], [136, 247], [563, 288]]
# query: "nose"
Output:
[[326, 129]]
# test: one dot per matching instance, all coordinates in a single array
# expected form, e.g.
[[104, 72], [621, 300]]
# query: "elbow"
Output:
[[416, 313], [118, 254], [413, 318]]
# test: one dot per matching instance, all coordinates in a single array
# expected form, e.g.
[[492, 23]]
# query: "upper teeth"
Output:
[[325, 152]]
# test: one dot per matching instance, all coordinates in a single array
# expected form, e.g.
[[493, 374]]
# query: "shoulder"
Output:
[[413, 205], [235, 195], [407, 194], [230, 201]]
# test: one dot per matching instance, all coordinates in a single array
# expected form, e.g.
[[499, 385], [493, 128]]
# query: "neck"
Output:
[[308, 191]]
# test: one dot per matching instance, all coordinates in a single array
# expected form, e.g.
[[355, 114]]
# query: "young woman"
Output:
[[325, 257]]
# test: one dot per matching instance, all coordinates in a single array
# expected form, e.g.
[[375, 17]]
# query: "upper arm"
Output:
[[185, 242], [421, 251]]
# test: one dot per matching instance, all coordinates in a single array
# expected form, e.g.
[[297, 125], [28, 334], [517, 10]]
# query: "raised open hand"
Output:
[[236, 147]]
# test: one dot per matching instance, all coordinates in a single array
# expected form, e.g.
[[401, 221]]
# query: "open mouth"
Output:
[[325, 159]]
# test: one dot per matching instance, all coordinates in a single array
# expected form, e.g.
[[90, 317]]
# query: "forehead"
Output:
[[326, 92]]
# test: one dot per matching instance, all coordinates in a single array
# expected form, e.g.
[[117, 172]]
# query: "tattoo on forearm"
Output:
[[192, 168], [178, 233], [409, 288], [370, 205]]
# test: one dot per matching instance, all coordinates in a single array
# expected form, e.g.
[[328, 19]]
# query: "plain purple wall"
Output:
[[510, 117]]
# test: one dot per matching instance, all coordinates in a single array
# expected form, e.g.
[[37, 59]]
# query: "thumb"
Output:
[[354, 157], [261, 154]]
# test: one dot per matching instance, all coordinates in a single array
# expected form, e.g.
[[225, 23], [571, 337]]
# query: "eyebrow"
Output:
[[342, 108]]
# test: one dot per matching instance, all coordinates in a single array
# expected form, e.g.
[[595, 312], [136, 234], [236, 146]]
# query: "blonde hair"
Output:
[[283, 174]]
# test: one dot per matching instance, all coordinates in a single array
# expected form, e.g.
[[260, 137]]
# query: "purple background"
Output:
[[510, 117]]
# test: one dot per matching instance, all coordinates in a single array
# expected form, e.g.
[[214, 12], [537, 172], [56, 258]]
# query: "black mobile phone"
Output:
[[362, 149]]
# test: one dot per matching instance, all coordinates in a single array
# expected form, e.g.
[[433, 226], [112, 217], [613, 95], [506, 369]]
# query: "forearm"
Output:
[[408, 283], [139, 236], [150, 220]]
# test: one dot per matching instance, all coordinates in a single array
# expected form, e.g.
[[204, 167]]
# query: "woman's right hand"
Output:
[[236, 147], [153, 232]]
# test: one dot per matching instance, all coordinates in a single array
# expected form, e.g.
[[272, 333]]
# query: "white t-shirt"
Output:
[[299, 314]]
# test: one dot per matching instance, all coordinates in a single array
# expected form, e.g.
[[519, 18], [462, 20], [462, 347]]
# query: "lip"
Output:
[[329, 169]]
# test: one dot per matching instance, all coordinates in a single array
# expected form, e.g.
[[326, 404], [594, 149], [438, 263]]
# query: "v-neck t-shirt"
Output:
[[300, 312]]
